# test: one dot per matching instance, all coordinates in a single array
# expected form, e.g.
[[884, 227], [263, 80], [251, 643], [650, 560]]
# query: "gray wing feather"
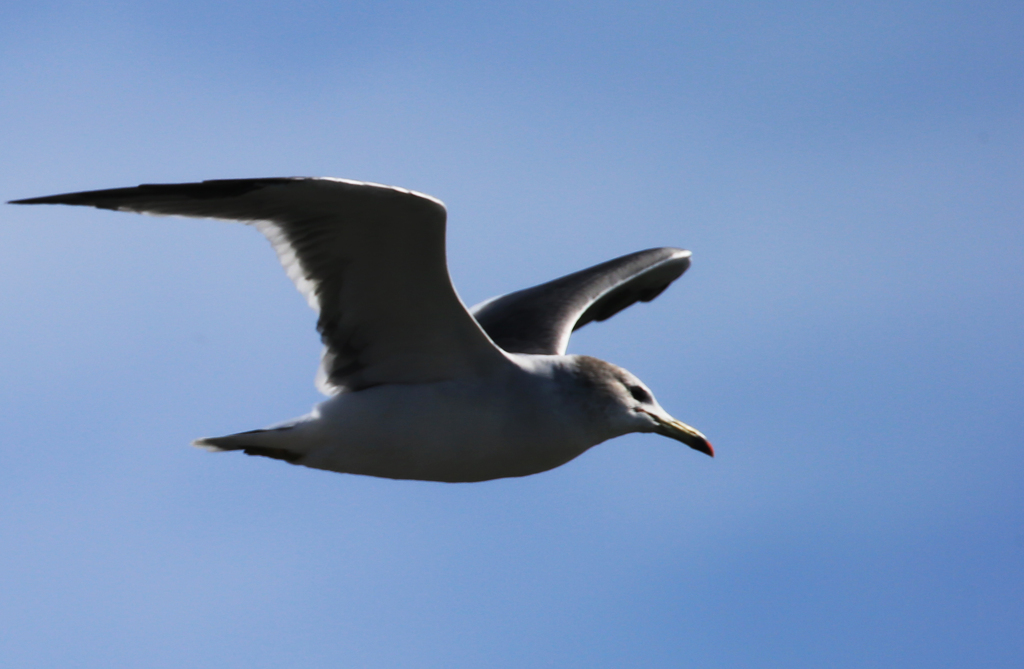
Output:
[[369, 258], [540, 319]]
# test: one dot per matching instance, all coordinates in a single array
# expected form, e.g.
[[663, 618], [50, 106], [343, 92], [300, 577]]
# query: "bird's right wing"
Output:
[[369, 258], [540, 319]]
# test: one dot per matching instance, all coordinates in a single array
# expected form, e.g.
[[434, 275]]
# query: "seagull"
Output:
[[419, 386]]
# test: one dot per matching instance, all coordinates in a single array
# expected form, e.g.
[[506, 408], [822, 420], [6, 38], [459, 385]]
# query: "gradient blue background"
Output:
[[849, 337]]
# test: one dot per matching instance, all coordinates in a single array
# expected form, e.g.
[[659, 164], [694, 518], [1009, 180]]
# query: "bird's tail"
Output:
[[270, 443]]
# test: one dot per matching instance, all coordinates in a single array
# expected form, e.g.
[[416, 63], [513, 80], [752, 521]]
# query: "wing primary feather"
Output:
[[115, 198]]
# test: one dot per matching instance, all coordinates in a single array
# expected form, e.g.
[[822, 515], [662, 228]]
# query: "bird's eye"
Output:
[[640, 395]]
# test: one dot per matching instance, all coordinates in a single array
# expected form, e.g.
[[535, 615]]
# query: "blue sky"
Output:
[[849, 180]]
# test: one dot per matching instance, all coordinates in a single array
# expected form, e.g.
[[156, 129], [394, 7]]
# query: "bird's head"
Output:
[[628, 404]]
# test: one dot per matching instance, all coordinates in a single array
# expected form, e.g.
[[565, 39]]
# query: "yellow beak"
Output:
[[680, 431]]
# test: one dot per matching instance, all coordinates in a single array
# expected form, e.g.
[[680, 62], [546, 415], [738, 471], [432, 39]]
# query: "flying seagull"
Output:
[[420, 387]]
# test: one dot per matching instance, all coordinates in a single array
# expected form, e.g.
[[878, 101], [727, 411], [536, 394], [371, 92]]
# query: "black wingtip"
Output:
[[114, 198], [34, 200], [66, 198]]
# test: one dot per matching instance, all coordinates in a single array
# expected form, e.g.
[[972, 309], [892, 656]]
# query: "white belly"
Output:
[[445, 431]]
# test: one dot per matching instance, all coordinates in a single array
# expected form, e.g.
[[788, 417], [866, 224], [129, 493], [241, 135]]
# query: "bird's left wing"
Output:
[[369, 258], [540, 319]]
